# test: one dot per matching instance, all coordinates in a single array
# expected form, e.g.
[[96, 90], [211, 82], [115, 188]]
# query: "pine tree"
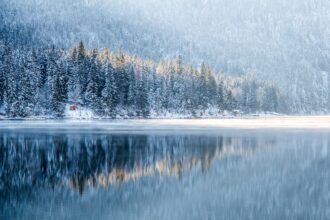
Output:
[[142, 98], [42, 67], [43, 83], [190, 94], [10, 83], [221, 96], [122, 79], [171, 87], [93, 94], [5, 72], [27, 92], [50, 73], [30, 81], [253, 105], [211, 88], [19, 107], [179, 65], [82, 70], [202, 88], [74, 86], [60, 94], [132, 87], [230, 101], [270, 99], [109, 92], [56, 104]]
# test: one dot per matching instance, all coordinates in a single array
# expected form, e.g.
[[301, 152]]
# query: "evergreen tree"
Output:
[[93, 94], [142, 98], [109, 92], [179, 65], [122, 79], [30, 81], [131, 87], [190, 91], [82, 70], [253, 99], [10, 84], [211, 88], [221, 96], [230, 101], [202, 88], [20, 107], [27, 92], [270, 99], [60, 94], [42, 67], [5, 72]]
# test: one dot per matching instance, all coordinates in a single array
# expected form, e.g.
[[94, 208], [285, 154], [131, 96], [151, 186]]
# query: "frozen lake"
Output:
[[271, 168]]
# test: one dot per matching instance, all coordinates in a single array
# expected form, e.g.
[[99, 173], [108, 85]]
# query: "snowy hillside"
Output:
[[278, 40], [81, 83]]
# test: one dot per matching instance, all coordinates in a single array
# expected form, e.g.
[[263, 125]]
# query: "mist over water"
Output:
[[251, 174]]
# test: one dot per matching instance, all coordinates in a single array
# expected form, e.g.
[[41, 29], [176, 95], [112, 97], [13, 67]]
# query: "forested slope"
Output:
[[42, 82], [284, 42]]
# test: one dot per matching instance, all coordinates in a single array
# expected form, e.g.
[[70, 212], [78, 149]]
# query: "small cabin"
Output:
[[73, 108], [237, 113]]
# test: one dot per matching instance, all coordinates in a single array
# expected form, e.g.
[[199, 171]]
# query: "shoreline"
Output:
[[273, 122]]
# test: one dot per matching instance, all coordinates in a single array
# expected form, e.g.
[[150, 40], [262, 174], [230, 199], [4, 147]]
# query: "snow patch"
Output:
[[79, 113]]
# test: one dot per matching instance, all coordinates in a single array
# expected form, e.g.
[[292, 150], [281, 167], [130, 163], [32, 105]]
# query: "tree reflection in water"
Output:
[[74, 160], [218, 175]]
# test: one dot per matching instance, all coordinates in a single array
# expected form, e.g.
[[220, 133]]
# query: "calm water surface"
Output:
[[237, 174]]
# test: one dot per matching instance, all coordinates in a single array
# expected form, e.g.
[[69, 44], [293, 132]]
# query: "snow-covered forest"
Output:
[[185, 58], [43, 82]]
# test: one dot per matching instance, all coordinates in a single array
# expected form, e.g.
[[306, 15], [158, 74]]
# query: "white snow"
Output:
[[79, 113], [275, 122]]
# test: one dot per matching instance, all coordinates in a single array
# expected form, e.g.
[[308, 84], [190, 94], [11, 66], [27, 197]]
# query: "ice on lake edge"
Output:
[[275, 122]]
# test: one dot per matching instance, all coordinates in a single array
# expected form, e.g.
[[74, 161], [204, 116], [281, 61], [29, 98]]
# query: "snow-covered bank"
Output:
[[280, 122], [83, 113]]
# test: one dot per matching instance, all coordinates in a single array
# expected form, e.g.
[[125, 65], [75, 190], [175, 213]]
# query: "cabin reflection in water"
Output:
[[80, 161]]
